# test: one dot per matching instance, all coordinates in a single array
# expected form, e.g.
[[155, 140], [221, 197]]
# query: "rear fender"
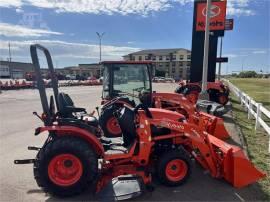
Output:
[[77, 132]]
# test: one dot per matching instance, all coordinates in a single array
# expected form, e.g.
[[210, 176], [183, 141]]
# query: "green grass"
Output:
[[257, 144], [258, 89]]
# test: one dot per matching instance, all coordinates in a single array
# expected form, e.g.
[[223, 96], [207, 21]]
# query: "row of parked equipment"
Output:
[[16, 84], [160, 134]]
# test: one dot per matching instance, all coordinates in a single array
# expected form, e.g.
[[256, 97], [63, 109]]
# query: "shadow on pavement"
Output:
[[200, 187]]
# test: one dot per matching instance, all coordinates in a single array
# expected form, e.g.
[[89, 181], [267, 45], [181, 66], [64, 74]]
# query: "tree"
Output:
[[248, 74]]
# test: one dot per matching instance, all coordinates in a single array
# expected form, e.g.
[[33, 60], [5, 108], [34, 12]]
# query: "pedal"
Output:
[[24, 161], [33, 148]]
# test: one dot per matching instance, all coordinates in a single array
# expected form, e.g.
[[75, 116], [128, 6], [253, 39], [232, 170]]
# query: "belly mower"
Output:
[[126, 82], [155, 141]]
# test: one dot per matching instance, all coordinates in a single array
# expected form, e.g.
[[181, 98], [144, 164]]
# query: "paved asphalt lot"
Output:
[[16, 133]]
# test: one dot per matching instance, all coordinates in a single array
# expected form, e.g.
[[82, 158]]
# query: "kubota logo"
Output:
[[214, 11]]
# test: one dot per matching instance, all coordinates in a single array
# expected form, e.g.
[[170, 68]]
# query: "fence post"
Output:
[[246, 102], [269, 145], [249, 108], [258, 115], [241, 95]]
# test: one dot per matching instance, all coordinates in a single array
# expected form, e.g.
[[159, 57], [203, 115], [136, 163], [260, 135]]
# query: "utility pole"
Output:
[[100, 38], [204, 94], [220, 55], [9, 52]]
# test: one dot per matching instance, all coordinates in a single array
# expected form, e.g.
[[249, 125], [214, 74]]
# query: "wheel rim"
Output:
[[113, 126], [222, 99], [192, 96], [176, 170], [65, 169]]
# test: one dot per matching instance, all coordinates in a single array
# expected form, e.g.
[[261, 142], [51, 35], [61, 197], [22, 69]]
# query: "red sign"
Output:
[[229, 24], [217, 16]]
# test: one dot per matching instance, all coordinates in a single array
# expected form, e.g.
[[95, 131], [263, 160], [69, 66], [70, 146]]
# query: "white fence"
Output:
[[253, 109]]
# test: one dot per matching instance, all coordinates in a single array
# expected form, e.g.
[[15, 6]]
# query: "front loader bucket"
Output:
[[219, 129], [236, 168], [215, 126]]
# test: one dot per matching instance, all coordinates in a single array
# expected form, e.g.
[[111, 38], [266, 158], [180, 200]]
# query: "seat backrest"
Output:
[[127, 125], [65, 101]]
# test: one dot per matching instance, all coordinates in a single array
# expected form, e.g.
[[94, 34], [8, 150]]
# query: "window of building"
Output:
[[153, 57], [160, 57], [160, 64], [181, 64], [188, 64], [181, 57], [173, 64], [133, 58], [140, 58], [174, 57], [167, 57], [173, 70], [146, 57], [188, 57], [167, 64]]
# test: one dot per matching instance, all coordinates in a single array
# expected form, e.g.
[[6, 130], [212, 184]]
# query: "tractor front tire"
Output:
[[66, 166], [174, 167], [109, 123]]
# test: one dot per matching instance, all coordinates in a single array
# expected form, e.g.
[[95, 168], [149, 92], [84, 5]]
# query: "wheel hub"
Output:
[[176, 170], [65, 169]]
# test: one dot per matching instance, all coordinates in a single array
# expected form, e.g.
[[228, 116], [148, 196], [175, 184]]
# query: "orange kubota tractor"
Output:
[[217, 91], [125, 81], [74, 157]]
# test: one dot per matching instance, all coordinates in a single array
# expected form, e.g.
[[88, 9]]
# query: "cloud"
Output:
[[63, 49], [10, 30], [123, 7], [259, 52], [239, 7], [11, 3]]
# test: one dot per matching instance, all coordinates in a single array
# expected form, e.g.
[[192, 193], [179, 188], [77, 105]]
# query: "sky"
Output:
[[68, 29]]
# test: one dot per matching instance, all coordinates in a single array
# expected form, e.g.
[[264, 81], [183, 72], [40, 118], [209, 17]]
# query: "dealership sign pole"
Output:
[[206, 48]]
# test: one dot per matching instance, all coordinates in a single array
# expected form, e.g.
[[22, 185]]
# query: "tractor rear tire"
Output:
[[66, 166], [109, 123], [174, 167]]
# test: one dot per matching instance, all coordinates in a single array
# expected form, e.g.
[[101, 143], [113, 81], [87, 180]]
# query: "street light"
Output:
[[100, 37], [206, 51]]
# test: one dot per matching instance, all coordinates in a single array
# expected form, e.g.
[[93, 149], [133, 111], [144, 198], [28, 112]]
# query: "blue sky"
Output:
[[68, 29]]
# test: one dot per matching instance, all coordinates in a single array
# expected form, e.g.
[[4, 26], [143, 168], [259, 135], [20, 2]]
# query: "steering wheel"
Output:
[[145, 109]]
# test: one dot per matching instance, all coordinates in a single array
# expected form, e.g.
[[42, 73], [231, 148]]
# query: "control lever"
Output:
[[36, 114], [97, 108]]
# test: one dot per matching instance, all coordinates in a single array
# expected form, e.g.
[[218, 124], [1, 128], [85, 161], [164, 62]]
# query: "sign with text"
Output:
[[222, 60], [229, 23], [217, 16]]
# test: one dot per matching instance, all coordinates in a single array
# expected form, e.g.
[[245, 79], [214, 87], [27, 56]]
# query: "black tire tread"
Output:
[[80, 147], [104, 117], [168, 156]]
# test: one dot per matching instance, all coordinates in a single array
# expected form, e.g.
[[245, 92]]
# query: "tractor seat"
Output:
[[127, 125], [66, 106]]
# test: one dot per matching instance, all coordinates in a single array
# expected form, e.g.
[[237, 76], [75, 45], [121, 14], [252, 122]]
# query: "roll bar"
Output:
[[40, 82]]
